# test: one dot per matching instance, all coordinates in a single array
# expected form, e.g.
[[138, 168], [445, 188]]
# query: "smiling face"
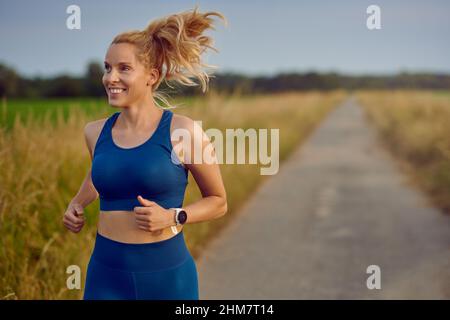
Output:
[[125, 78]]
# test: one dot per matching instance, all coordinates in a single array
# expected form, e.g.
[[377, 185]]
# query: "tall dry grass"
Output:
[[414, 126], [42, 165]]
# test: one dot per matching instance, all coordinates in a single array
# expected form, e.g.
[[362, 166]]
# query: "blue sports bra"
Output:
[[121, 174]]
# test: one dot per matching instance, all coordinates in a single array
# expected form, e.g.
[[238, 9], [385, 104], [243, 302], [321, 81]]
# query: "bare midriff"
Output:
[[121, 226]]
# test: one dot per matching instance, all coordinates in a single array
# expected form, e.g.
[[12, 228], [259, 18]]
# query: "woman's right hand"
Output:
[[73, 217]]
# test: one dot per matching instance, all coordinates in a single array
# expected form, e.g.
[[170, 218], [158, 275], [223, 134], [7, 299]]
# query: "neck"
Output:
[[138, 115]]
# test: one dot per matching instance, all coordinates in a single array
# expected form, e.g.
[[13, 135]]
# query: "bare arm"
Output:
[[73, 218], [87, 192], [207, 175]]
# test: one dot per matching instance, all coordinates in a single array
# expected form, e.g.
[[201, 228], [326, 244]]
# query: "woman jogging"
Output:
[[140, 169]]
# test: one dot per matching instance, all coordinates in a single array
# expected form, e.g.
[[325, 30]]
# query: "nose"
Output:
[[111, 76]]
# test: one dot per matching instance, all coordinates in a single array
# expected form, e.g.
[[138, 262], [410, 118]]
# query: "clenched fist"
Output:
[[151, 217], [73, 217]]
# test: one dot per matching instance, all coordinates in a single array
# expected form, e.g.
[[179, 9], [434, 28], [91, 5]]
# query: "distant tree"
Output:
[[13, 84], [64, 86], [93, 80], [8, 81]]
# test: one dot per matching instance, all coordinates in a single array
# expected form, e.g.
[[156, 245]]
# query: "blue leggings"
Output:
[[163, 270]]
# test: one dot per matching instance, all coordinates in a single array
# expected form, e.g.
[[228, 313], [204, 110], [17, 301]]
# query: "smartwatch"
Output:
[[180, 216], [180, 219]]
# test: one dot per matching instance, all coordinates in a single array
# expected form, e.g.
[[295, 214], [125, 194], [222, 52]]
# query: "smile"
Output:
[[116, 90]]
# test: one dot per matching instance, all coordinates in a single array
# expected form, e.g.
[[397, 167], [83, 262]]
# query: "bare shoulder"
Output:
[[180, 121], [92, 131], [184, 122], [193, 131], [191, 127]]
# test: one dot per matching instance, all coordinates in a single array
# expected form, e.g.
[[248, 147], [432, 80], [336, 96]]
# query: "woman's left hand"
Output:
[[151, 217]]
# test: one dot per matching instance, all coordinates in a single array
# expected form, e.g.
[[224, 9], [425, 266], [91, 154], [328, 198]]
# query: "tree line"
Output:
[[13, 85]]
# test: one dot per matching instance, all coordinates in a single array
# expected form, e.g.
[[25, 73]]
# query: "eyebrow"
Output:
[[119, 62]]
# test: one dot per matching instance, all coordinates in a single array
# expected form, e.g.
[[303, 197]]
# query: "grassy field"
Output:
[[43, 160], [415, 127]]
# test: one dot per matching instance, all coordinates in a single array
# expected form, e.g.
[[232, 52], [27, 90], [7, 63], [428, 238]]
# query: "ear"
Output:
[[153, 77]]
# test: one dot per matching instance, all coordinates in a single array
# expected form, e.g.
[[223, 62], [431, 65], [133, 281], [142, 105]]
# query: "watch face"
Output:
[[182, 216]]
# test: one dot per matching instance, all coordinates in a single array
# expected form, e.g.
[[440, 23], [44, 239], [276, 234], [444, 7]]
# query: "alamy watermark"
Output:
[[374, 280], [73, 21], [374, 19], [193, 149], [73, 281]]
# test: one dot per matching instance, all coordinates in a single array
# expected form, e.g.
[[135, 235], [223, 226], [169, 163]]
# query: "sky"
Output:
[[262, 38]]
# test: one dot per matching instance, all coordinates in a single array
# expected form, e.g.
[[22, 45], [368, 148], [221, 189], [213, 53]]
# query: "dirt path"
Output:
[[337, 205]]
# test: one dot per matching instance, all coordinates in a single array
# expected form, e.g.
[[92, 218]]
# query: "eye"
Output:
[[106, 67], [126, 68]]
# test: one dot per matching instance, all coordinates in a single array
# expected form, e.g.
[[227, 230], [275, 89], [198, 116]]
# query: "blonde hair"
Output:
[[173, 45]]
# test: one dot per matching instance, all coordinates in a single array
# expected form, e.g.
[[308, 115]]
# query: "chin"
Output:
[[115, 103]]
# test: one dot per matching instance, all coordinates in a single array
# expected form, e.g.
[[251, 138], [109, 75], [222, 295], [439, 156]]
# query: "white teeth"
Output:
[[116, 90]]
